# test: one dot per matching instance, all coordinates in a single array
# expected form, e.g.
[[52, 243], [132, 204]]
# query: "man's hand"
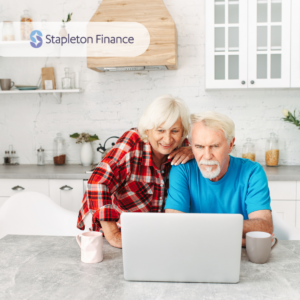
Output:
[[112, 233], [181, 155]]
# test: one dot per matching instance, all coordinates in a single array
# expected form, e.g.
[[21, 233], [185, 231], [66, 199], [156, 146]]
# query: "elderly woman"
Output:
[[133, 176]]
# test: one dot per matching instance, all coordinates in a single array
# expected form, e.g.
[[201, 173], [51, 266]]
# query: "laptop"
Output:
[[182, 247]]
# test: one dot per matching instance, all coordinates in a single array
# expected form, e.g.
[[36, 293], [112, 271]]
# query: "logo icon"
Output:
[[36, 39]]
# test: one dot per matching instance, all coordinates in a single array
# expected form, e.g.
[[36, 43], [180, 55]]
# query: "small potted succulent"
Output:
[[86, 154]]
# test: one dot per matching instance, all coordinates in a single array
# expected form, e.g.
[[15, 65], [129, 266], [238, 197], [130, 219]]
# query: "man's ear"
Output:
[[231, 145]]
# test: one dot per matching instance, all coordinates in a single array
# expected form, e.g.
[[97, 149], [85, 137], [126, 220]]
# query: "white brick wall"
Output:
[[114, 102]]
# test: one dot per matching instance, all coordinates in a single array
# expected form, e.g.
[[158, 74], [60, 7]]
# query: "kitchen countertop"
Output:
[[281, 173], [45, 267]]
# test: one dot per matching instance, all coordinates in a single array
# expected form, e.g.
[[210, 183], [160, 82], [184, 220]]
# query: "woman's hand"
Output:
[[112, 233], [181, 155]]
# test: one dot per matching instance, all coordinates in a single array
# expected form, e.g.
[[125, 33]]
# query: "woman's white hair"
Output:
[[165, 110], [216, 121]]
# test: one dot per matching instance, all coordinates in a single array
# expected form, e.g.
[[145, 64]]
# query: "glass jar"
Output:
[[6, 158], [59, 152], [66, 81], [26, 26], [272, 151], [40, 157], [248, 150], [14, 159], [8, 31]]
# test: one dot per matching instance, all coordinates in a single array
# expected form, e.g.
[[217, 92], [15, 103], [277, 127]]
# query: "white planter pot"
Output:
[[86, 154]]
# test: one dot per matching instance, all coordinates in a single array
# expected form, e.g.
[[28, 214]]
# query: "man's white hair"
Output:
[[216, 121], [165, 110]]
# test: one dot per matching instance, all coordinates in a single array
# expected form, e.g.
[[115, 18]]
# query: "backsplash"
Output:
[[113, 102]]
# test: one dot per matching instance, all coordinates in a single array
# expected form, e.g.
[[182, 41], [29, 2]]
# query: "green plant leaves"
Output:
[[93, 138], [74, 135]]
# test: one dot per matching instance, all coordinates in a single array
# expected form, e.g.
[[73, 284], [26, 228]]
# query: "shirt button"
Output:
[[160, 198], [161, 185], [163, 171]]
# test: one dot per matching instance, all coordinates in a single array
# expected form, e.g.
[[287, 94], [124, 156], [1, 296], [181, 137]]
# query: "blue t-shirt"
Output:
[[242, 190]]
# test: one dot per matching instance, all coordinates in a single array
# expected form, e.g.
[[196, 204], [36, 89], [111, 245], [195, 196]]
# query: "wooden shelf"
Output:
[[56, 93]]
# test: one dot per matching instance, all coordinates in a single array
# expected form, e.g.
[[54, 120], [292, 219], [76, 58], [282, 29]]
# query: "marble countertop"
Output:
[[281, 173], [45, 267]]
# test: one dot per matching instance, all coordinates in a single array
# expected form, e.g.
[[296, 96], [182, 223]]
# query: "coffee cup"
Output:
[[91, 246], [259, 246], [6, 84]]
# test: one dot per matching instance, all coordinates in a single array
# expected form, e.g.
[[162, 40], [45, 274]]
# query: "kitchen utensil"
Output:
[[26, 87], [259, 246], [40, 157], [91, 247], [8, 31], [26, 26], [272, 151], [249, 150], [6, 84], [66, 81], [103, 150], [59, 152]]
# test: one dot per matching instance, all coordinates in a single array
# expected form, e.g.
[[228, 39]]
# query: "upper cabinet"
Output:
[[295, 44], [248, 43]]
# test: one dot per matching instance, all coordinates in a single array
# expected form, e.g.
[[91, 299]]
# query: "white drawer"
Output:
[[283, 190], [35, 185], [286, 210], [2, 200]]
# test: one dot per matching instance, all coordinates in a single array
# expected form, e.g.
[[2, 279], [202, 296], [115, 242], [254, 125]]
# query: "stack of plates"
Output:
[[26, 87]]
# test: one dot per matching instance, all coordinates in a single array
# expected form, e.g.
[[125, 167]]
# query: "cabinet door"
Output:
[[286, 210], [226, 44], [67, 193], [295, 44], [9, 187], [269, 43]]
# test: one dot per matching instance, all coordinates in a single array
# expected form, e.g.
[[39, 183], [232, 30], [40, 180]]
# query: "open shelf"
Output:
[[56, 93]]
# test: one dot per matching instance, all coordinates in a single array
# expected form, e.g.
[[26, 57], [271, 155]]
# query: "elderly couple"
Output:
[[136, 175]]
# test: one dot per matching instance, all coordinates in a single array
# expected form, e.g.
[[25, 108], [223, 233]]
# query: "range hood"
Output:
[[162, 51]]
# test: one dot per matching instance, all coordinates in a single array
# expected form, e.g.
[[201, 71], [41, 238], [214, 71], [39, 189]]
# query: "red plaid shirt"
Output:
[[125, 180]]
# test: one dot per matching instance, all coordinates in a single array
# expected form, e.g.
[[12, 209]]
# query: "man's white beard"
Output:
[[207, 171]]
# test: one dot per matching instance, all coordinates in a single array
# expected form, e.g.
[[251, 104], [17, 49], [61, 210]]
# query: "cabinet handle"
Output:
[[66, 188], [18, 188], [243, 82], [252, 81]]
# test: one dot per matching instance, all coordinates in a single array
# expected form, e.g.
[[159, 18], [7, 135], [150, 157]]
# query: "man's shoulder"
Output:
[[187, 168], [246, 167]]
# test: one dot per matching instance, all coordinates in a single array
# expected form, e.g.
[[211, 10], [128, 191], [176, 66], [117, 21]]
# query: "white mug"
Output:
[[91, 246]]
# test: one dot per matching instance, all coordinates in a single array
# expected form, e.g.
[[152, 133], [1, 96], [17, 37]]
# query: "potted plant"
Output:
[[63, 32], [86, 154], [291, 118]]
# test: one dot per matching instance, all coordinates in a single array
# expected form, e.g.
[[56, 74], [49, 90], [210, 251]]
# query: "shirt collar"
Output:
[[147, 155]]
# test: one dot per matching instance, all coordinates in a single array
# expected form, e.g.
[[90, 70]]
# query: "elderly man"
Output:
[[215, 182]]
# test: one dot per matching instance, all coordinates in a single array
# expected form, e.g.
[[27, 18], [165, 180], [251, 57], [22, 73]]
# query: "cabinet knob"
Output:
[[252, 81], [18, 188], [66, 188], [243, 82]]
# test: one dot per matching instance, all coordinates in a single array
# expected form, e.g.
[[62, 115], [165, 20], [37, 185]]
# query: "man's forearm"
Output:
[[109, 228], [257, 225]]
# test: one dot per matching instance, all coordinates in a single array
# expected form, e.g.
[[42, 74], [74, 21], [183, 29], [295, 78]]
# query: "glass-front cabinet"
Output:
[[226, 44], [248, 43], [295, 44]]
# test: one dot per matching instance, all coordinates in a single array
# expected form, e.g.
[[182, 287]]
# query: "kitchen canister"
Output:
[[272, 151], [249, 150], [59, 150]]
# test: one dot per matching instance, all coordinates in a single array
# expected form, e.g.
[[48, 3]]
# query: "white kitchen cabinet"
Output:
[[67, 193], [9, 187], [226, 44], [248, 43], [286, 210], [295, 44], [283, 190]]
